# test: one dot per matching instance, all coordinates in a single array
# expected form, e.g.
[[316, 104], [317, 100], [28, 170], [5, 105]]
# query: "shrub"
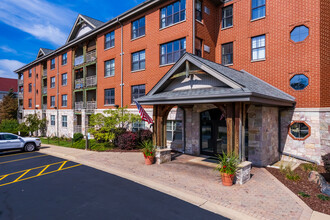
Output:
[[127, 141], [79, 144], [303, 194], [148, 148], [309, 167], [326, 161], [9, 125], [77, 137], [288, 172], [323, 197], [96, 146], [144, 135], [227, 163]]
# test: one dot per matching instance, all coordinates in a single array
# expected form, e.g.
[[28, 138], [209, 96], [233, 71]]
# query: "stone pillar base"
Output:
[[243, 172], [163, 155]]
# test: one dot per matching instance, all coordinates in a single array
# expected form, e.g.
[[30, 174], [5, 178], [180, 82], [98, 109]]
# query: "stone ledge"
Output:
[[163, 155]]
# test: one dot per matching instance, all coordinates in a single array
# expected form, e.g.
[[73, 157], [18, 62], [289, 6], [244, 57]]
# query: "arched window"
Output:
[[299, 33], [299, 82]]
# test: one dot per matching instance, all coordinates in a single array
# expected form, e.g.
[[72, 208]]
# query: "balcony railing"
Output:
[[20, 95], [44, 90], [78, 106], [91, 81], [44, 107], [91, 56], [20, 82], [20, 108], [79, 60], [79, 83], [77, 129], [44, 73], [90, 106]]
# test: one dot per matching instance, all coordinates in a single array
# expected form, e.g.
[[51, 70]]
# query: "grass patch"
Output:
[[308, 167], [288, 172], [302, 194], [58, 142], [323, 197]]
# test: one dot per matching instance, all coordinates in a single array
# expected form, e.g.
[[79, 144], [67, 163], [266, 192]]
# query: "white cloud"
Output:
[[43, 20], [7, 49], [7, 68]]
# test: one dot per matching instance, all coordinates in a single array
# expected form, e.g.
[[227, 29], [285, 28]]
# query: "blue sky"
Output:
[[27, 25]]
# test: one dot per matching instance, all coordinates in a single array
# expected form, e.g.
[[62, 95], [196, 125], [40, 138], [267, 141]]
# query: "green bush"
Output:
[[288, 172], [77, 137], [96, 146], [79, 144], [303, 194], [9, 125], [323, 197], [309, 167]]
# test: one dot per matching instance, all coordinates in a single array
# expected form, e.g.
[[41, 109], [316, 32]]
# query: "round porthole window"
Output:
[[299, 82], [299, 130], [299, 33]]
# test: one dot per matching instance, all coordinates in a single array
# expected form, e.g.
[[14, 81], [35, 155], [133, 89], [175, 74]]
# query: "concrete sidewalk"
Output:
[[263, 197]]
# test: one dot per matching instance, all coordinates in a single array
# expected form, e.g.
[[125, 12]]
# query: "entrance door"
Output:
[[213, 132]]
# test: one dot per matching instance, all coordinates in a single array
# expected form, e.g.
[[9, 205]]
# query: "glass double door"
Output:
[[213, 132]]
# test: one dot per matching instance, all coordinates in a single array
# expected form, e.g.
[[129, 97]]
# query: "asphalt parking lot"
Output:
[[40, 186]]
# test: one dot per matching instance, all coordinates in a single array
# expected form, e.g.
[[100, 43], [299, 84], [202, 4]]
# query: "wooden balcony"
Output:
[[79, 83], [78, 60], [91, 81], [91, 56]]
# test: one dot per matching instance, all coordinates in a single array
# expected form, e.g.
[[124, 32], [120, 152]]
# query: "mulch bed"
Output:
[[123, 151], [304, 185]]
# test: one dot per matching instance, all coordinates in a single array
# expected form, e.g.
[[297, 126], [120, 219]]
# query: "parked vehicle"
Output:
[[10, 141]]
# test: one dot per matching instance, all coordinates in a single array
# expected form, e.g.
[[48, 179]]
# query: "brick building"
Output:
[[283, 44]]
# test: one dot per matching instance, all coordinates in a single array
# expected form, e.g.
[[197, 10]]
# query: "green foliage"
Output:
[[309, 167], [79, 144], [323, 197], [8, 106], [33, 123], [148, 148], [227, 163], [288, 172], [104, 125], [77, 137], [303, 194], [292, 176], [96, 146], [9, 125]]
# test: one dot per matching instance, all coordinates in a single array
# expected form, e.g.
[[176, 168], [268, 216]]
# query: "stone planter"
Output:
[[243, 172]]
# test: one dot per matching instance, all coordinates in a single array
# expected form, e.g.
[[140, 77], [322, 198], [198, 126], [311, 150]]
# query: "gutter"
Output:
[[193, 26]]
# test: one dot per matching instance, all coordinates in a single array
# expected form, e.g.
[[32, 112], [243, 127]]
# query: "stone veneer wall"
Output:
[[263, 135], [317, 144], [176, 114]]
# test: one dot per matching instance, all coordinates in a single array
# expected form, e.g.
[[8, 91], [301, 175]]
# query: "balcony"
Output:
[[77, 129], [20, 82], [20, 108], [44, 73], [79, 60], [91, 56], [91, 81], [44, 90], [20, 95], [90, 106], [78, 106], [79, 83], [44, 107]]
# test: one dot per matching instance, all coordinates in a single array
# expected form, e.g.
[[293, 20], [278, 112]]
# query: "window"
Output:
[[138, 91], [64, 58], [198, 47], [52, 120], [173, 130], [138, 28], [64, 121], [299, 33], [258, 47], [52, 101], [227, 53], [198, 10], [30, 73], [9, 137], [30, 87], [139, 60], [299, 82], [173, 13], [109, 40], [139, 125], [64, 79], [299, 130], [52, 63], [227, 16], [52, 82], [109, 96], [258, 9], [172, 51], [64, 100], [30, 103], [109, 68]]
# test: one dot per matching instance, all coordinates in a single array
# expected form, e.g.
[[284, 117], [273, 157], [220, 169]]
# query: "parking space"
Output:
[[40, 186]]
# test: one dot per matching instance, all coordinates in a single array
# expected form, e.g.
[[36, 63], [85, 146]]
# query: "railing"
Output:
[[77, 129], [79, 60], [20, 95], [91, 56], [79, 83], [91, 81], [44, 107], [44, 90], [44, 73], [78, 106], [20, 108], [20, 82], [90, 106]]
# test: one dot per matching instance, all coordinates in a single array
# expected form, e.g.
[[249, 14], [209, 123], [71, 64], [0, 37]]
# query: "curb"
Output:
[[195, 200]]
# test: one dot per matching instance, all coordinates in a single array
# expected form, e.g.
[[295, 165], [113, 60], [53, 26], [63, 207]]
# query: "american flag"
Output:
[[144, 115]]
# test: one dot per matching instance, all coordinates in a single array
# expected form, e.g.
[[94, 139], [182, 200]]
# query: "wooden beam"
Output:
[[154, 128], [191, 72], [230, 127]]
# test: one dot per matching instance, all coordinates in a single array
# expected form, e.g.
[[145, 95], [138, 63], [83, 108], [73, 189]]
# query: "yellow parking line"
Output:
[[43, 170], [62, 165], [16, 154], [21, 176], [23, 159], [4, 176]]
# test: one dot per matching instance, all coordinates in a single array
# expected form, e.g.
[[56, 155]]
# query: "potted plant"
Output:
[[227, 167], [149, 151]]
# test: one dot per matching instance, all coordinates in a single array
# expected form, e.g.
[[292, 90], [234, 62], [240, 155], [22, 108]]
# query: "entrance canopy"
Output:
[[194, 80]]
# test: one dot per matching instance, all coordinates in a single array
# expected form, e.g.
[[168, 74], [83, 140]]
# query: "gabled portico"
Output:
[[218, 102]]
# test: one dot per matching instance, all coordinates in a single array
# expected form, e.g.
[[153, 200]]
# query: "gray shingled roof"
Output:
[[93, 21], [46, 51], [252, 88]]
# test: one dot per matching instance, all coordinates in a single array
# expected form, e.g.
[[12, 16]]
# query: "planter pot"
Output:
[[149, 160], [227, 179]]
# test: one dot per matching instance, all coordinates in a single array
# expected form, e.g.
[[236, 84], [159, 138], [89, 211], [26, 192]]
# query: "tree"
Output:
[[33, 123], [8, 106], [104, 125]]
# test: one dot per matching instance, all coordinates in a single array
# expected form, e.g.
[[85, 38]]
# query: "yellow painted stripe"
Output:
[[21, 176], [16, 154], [43, 170], [10, 161], [42, 174], [62, 165], [4, 176]]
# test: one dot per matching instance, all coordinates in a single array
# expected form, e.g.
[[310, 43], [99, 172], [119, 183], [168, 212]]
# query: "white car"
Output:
[[10, 141]]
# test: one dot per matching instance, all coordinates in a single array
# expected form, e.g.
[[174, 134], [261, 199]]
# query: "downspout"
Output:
[[57, 94], [193, 26], [121, 65]]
